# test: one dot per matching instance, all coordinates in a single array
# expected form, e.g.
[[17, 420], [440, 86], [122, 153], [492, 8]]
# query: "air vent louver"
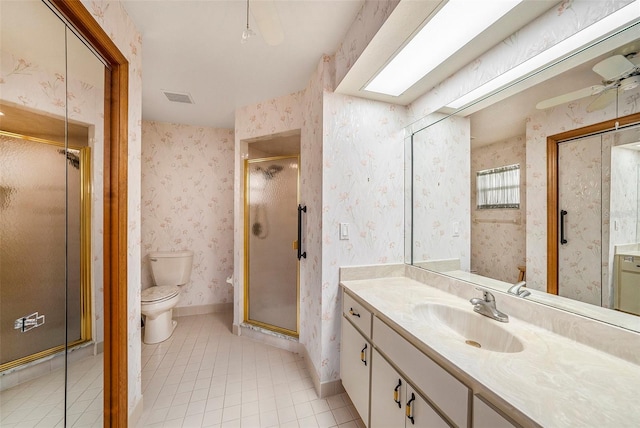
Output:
[[178, 97]]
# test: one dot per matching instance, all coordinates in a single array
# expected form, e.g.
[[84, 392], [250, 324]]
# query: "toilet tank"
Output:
[[171, 267]]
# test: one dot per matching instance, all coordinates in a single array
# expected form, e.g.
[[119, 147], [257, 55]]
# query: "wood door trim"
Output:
[[115, 209], [552, 187]]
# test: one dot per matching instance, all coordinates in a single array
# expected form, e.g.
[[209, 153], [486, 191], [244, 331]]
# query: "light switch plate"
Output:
[[344, 231]]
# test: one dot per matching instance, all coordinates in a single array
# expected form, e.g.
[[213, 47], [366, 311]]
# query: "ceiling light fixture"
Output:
[[248, 32], [579, 40], [450, 29]]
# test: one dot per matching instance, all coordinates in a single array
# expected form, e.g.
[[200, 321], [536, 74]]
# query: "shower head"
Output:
[[271, 171]]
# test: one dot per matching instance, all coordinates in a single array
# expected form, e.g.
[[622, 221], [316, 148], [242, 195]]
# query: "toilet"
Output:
[[170, 269]]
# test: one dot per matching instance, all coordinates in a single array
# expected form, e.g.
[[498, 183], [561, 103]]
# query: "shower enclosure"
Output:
[[271, 265], [45, 212]]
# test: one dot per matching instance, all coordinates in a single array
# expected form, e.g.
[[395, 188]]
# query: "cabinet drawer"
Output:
[[443, 390], [629, 263], [357, 314]]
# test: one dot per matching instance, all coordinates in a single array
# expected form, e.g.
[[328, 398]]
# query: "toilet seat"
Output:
[[159, 293]]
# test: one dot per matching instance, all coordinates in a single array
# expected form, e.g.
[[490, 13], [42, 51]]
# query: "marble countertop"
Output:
[[553, 381], [629, 253]]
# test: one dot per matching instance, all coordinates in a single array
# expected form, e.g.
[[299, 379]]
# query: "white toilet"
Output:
[[169, 270]]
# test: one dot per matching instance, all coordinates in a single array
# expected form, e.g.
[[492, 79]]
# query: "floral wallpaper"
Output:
[[311, 196], [363, 185], [113, 18], [553, 26], [441, 168], [503, 241], [187, 204], [367, 23]]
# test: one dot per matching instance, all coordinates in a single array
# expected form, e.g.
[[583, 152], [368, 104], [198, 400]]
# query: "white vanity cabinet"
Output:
[[394, 401], [484, 416], [446, 392], [355, 355]]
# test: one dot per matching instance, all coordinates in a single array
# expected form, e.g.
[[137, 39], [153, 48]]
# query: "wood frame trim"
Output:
[[116, 410], [552, 187]]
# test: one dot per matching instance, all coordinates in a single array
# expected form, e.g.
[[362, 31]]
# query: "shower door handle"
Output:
[[563, 214], [301, 254]]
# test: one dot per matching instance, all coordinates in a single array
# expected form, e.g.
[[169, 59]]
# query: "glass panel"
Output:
[[32, 215], [85, 87], [272, 200]]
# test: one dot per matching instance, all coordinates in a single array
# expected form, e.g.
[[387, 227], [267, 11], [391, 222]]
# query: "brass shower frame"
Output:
[[246, 319], [85, 252]]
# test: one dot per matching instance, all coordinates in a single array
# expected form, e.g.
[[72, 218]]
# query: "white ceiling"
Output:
[[194, 47]]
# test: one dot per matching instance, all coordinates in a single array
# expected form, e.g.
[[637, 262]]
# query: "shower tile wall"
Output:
[[187, 204], [113, 18]]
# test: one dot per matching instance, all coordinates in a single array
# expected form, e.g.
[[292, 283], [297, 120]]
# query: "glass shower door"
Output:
[[271, 293]]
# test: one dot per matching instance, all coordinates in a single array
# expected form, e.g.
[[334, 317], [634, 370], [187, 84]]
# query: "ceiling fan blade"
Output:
[[268, 21], [571, 96], [605, 98], [614, 67]]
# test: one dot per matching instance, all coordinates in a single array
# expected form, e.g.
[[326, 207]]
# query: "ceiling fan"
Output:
[[619, 73]]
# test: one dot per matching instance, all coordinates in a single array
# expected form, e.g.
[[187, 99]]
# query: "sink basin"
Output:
[[471, 328]]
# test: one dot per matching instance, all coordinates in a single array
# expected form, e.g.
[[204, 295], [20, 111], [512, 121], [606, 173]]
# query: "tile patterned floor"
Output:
[[204, 376], [40, 402]]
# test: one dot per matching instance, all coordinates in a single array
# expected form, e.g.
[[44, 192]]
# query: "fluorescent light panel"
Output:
[[455, 25], [596, 30]]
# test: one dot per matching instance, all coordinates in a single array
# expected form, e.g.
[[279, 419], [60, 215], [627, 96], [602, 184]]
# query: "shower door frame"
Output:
[[246, 319], [85, 251]]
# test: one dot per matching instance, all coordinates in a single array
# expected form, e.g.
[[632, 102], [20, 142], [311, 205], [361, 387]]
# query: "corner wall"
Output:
[[187, 204]]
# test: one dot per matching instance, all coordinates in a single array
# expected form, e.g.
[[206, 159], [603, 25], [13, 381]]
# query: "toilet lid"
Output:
[[156, 293]]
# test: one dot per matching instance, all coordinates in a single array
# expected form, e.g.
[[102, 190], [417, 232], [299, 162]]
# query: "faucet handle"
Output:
[[488, 297]]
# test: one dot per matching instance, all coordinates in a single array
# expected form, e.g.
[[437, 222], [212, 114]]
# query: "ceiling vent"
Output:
[[178, 97]]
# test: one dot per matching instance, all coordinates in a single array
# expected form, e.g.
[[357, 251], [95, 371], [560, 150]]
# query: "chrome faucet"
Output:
[[517, 289], [487, 307]]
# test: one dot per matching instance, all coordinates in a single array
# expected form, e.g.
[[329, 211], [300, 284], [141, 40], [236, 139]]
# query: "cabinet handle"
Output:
[[396, 394], [410, 409], [363, 355], [352, 312]]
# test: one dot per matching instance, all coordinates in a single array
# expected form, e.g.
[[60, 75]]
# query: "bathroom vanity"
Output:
[[414, 353]]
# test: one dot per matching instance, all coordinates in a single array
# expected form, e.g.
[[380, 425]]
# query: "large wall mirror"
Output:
[[539, 182], [52, 131]]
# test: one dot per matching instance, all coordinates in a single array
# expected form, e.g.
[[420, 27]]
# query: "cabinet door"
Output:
[[355, 356], [388, 394], [485, 417], [394, 402], [419, 413]]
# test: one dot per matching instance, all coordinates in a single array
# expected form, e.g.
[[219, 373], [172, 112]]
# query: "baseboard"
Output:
[[185, 311], [323, 389], [136, 413], [269, 337]]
